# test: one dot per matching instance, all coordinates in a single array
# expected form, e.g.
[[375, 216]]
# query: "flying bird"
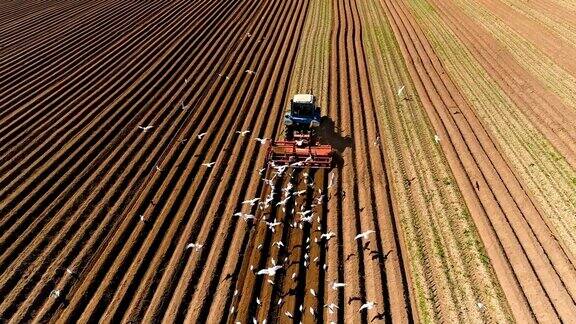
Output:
[[327, 236], [252, 202], [184, 107], [331, 307], [364, 235], [269, 271], [283, 202], [298, 193], [436, 138], [202, 135], [368, 305], [261, 140], [195, 246], [209, 164], [331, 180], [400, 91], [336, 285], [145, 128], [55, 293], [272, 225], [250, 72], [243, 132], [246, 217]]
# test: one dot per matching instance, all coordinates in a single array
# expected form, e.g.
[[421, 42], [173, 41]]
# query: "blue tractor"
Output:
[[302, 119], [300, 148]]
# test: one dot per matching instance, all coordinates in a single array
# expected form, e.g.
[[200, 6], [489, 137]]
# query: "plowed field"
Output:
[[134, 185]]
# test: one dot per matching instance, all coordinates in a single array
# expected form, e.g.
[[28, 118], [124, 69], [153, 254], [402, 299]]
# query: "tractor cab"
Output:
[[303, 113]]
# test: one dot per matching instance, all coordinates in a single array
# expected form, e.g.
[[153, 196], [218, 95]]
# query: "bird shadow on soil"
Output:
[[330, 134]]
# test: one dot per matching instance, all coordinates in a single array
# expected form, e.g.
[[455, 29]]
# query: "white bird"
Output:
[[271, 225], [280, 169], [243, 132], [70, 271], [158, 168], [202, 135], [252, 202], [312, 292], [327, 236], [364, 235], [269, 271], [145, 128], [279, 243], [184, 107], [250, 72], [209, 164], [331, 307], [195, 246], [55, 293], [287, 313], [258, 301], [331, 180], [312, 312], [300, 142], [232, 310], [142, 219], [480, 305], [369, 305], [283, 202], [245, 217], [186, 80], [261, 171], [400, 91], [307, 219], [306, 212], [261, 140], [436, 138], [268, 181], [336, 285], [298, 193]]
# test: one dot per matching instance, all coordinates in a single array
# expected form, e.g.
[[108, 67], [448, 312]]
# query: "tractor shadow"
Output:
[[330, 134]]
